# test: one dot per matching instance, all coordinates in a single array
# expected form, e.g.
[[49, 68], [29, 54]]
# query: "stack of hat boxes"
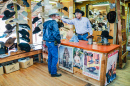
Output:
[[16, 66]]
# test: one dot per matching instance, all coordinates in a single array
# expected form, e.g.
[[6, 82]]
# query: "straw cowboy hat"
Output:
[[10, 41], [9, 28], [9, 21], [43, 15], [53, 12], [8, 14], [10, 6]]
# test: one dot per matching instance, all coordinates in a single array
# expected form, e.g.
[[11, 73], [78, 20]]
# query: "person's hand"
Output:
[[59, 45], [58, 17], [89, 36]]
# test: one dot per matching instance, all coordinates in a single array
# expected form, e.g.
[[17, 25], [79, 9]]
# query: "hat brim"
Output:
[[11, 15], [80, 12], [10, 5], [33, 22], [109, 37], [37, 30]]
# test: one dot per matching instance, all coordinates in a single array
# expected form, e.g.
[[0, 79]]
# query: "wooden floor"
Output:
[[37, 75]]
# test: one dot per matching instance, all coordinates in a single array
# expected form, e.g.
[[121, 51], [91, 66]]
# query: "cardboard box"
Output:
[[1, 70], [26, 63], [11, 68]]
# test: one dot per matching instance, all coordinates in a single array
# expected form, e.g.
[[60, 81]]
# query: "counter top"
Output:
[[83, 45]]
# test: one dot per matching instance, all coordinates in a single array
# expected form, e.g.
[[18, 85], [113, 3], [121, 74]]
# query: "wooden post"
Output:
[[43, 11], [59, 10], [28, 10], [17, 25]]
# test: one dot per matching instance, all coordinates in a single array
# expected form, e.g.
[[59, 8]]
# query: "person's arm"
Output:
[[68, 21], [89, 27], [56, 32]]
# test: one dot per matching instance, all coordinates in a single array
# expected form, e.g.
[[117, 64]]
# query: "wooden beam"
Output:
[[124, 55], [17, 25], [28, 10]]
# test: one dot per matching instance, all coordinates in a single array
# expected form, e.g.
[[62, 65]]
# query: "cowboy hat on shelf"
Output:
[[9, 28], [35, 20], [10, 41], [25, 46], [10, 6], [24, 26], [20, 20], [38, 28], [43, 15], [8, 14], [65, 9], [58, 6], [25, 38], [25, 3], [3, 1], [24, 14], [24, 32], [10, 21]]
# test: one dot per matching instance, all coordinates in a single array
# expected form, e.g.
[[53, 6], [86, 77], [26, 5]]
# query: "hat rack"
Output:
[[17, 25]]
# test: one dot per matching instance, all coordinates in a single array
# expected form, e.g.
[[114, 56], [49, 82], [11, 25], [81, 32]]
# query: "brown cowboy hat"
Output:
[[10, 41]]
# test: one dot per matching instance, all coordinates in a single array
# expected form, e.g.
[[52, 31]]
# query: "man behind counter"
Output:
[[82, 25]]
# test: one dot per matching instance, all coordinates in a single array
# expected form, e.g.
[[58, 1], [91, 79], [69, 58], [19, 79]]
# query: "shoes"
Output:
[[56, 75]]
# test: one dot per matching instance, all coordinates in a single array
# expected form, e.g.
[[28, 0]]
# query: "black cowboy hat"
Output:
[[79, 11], [25, 26], [105, 34], [39, 3], [23, 32], [111, 16], [8, 14], [25, 3], [25, 38], [3, 1], [25, 46], [11, 6], [35, 20], [65, 9], [90, 13], [60, 24], [9, 28], [36, 30]]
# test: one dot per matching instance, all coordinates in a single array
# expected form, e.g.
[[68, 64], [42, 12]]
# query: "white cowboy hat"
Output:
[[53, 11], [20, 20], [43, 15], [58, 6]]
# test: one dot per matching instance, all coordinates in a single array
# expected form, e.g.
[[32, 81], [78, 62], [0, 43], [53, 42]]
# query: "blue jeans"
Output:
[[52, 57], [83, 37]]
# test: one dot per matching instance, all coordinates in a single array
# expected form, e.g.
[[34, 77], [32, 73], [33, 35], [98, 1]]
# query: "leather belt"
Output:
[[82, 34]]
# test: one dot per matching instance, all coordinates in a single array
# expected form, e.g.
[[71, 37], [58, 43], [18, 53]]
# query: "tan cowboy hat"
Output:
[[8, 21], [10, 41]]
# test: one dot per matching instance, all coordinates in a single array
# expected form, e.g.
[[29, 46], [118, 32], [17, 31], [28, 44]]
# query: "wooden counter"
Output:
[[107, 59], [83, 45]]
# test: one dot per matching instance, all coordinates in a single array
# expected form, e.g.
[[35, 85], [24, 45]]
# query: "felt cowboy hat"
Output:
[[105, 34], [79, 11], [11, 6], [60, 24], [41, 3], [35, 20], [10, 21], [24, 13], [25, 46], [58, 6], [24, 38], [8, 14], [20, 20], [10, 41], [25, 26], [38, 28], [25, 3], [23, 32], [111, 16], [9, 28], [65, 9]]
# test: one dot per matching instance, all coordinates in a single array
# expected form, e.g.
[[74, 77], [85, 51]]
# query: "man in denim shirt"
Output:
[[52, 37], [82, 25]]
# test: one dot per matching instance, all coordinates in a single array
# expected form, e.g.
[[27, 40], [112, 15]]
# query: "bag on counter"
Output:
[[3, 48]]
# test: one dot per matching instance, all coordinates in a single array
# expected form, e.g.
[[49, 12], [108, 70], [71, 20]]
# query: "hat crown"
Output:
[[6, 13], [105, 34], [8, 27]]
